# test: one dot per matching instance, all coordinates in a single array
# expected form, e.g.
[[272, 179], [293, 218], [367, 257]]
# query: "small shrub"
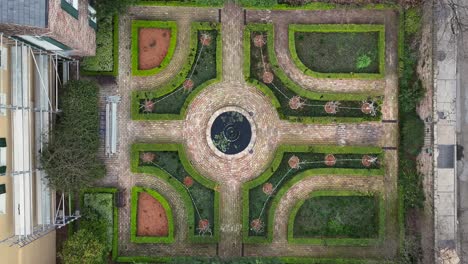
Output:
[[412, 134], [363, 61], [412, 20], [83, 248]]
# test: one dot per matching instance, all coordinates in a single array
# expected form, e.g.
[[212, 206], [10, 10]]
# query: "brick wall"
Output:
[[75, 33]]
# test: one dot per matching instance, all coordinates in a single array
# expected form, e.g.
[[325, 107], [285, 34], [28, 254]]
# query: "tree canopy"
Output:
[[70, 157]]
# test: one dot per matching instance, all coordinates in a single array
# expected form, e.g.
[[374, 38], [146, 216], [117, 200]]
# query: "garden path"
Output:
[[271, 131]]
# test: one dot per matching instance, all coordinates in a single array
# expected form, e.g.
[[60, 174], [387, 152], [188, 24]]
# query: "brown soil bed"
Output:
[[152, 218], [153, 44]]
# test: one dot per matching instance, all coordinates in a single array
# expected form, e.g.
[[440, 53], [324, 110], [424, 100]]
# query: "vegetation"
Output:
[[201, 71], [210, 3], [136, 25], [170, 164], [338, 52], [244, 260], [106, 60], [134, 218], [411, 134], [281, 90], [112, 7], [83, 247], [70, 158], [337, 216], [257, 3], [98, 216], [412, 127], [175, 85]]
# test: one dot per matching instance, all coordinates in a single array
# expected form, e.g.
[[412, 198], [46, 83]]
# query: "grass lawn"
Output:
[[339, 52], [202, 196], [337, 216]]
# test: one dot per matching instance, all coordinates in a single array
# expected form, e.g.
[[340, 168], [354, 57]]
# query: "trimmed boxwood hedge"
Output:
[[179, 187], [269, 172], [99, 53], [194, 3], [134, 221], [335, 240], [115, 213], [295, 88], [342, 28], [178, 80], [136, 25]]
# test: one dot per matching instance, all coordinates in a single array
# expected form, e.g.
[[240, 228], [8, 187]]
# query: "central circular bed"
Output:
[[231, 132]]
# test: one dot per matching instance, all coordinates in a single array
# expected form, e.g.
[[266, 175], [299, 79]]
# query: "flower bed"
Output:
[[339, 51], [157, 226], [202, 69], [168, 162], [337, 217], [137, 25], [290, 164], [293, 102]]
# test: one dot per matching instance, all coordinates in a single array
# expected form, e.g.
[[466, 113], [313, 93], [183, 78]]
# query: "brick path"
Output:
[[270, 133]]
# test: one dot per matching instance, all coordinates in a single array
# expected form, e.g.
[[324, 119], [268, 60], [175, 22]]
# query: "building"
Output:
[[39, 42]]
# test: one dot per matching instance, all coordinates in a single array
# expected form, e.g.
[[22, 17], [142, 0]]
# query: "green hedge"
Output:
[[136, 25], [178, 80], [115, 214], [103, 51], [246, 187], [295, 88], [178, 186], [134, 221], [325, 6], [337, 241], [194, 3], [347, 28]]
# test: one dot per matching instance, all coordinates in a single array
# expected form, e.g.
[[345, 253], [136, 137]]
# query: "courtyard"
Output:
[[255, 133]]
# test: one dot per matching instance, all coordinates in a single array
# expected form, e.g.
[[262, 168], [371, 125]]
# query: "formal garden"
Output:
[[231, 151]]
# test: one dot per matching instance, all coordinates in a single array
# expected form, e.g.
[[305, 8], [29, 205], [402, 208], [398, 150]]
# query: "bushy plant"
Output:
[[363, 61], [412, 134], [104, 59], [257, 3], [413, 20], [112, 7], [83, 248], [70, 157]]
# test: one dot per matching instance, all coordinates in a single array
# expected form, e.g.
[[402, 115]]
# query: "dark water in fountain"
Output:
[[231, 132]]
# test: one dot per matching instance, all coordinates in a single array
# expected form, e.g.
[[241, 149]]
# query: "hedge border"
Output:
[[133, 219], [270, 170], [323, 6], [292, 85], [180, 78], [115, 235], [115, 51], [136, 25], [178, 186], [173, 3], [325, 241], [344, 28]]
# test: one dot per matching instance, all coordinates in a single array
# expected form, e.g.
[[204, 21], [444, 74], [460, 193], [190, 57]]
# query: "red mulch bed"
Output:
[[152, 218], [153, 44]]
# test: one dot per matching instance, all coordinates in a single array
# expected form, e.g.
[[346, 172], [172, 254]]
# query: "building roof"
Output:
[[24, 12]]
